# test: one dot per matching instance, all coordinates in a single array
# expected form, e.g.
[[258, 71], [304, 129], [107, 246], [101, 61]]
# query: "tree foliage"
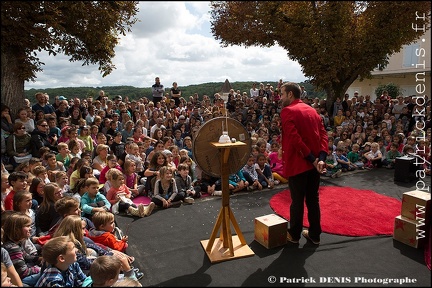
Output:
[[335, 42], [393, 90], [87, 31]]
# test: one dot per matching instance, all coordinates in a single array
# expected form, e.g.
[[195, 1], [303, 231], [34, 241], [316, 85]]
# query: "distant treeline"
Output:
[[135, 93]]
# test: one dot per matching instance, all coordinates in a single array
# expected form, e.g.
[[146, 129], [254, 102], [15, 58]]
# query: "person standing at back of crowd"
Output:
[[305, 147], [175, 94], [42, 104], [158, 91]]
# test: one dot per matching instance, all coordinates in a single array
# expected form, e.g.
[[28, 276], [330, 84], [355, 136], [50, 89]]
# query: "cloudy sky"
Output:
[[172, 40]]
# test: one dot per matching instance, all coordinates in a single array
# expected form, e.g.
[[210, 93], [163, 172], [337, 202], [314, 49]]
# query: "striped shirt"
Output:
[[53, 277]]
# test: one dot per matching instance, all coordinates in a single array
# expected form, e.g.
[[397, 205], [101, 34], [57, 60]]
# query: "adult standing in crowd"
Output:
[[176, 94], [305, 146], [42, 104], [253, 91], [157, 91]]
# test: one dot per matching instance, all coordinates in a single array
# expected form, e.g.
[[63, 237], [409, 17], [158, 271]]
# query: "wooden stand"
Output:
[[226, 247]]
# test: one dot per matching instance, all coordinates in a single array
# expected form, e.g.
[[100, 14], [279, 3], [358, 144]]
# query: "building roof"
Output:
[[226, 87]]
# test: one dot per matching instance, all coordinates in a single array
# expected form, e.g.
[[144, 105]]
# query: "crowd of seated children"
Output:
[[83, 155]]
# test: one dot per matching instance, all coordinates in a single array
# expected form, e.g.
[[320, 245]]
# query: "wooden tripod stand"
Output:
[[227, 246]]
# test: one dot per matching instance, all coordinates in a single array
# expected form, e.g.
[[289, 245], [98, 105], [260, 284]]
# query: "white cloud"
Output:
[[172, 40]]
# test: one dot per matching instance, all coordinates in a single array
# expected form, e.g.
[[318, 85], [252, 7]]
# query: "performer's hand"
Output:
[[320, 166]]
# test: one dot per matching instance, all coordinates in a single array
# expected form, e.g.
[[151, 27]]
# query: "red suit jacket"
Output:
[[303, 133]]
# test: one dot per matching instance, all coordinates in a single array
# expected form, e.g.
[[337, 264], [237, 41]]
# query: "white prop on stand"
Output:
[[225, 138]]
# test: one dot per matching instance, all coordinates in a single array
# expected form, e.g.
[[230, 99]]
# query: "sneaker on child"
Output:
[[189, 200], [217, 193]]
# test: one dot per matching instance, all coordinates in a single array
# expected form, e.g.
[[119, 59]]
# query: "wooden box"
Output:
[[416, 206], [409, 232], [271, 230]]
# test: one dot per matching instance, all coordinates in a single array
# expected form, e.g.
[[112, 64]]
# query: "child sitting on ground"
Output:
[[131, 179], [354, 156], [41, 172], [343, 161], [265, 174], [237, 182], [17, 182], [391, 156], [16, 229], [62, 180], [333, 167], [53, 166], [64, 155], [135, 156], [112, 163], [374, 157], [119, 196], [276, 165], [104, 272], [250, 174], [93, 201], [103, 232], [62, 269], [184, 184], [165, 192]]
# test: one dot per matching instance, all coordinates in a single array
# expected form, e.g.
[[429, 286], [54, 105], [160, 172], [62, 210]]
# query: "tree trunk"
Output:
[[330, 100], [12, 85], [336, 91]]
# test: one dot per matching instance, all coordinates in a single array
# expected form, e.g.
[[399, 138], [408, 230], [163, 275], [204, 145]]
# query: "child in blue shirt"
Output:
[[237, 182], [333, 168], [62, 270], [93, 201], [343, 160]]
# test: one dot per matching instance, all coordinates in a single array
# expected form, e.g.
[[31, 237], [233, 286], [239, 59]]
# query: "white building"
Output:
[[410, 69]]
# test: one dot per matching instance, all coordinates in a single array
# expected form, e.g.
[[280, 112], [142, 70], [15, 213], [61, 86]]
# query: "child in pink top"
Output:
[[276, 165], [119, 196]]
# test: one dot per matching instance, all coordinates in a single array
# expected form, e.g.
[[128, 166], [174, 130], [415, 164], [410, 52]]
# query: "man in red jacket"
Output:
[[305, 146]]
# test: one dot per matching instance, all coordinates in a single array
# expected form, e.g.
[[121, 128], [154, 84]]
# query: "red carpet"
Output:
[[347, 211]]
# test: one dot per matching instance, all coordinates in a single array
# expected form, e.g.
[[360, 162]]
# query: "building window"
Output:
[[410, 59]]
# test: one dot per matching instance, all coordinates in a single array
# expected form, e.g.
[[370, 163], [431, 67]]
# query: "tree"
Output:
[[393, 90], [335, 42], [86, 31]]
